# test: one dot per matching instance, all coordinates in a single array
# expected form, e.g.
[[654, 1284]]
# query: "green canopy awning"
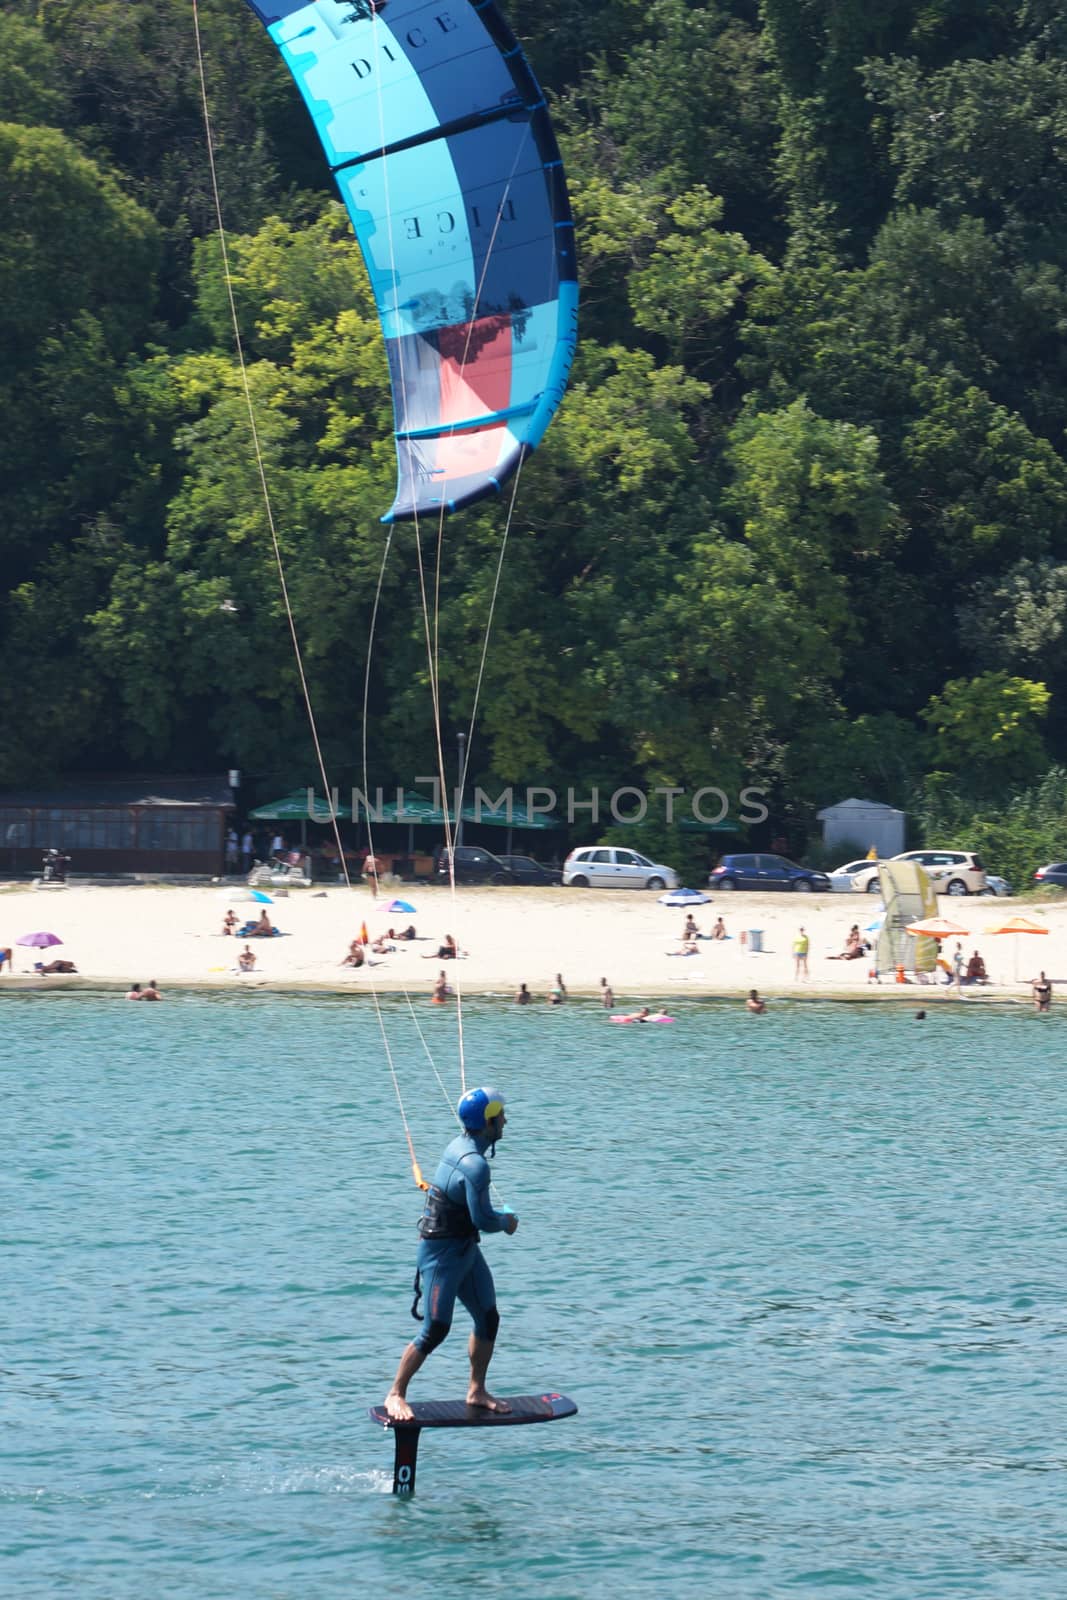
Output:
[[519, 817], [294, 808], [416, 809]]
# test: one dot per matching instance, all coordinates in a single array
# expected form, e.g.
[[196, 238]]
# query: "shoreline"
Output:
[[125, 933]]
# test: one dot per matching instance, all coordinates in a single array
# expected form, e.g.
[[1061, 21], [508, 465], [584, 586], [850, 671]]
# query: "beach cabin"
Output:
[[105, 825], [863, 824]]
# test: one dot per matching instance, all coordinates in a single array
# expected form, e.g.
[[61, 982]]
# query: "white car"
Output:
[[855, 877], [953, 872], [605, 866]]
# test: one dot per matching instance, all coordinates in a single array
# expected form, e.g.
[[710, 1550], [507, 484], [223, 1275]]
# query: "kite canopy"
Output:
[[438, 136]]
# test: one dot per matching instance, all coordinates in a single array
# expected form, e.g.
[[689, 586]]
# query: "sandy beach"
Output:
[[117, 935]]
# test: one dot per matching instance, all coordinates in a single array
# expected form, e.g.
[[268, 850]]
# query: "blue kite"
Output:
[[438, 136]]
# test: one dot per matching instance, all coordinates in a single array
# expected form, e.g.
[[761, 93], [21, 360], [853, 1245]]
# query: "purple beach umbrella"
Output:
[[39, 941]]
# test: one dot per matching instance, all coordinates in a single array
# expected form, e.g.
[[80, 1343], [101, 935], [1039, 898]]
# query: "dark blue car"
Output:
[[767, 872]]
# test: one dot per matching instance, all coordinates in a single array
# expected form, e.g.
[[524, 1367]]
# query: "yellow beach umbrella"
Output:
[[1018, 925]]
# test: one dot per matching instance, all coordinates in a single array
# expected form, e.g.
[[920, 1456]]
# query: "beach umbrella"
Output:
[[294, 808], [260, 897], [937, 928], [398, 905], [39, 941], [684, 897], [512, 817], [1018, 925]]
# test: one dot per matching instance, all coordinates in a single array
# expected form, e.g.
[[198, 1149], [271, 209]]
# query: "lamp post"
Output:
[[461, 741]]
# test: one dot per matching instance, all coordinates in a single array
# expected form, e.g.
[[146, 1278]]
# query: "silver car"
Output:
[[605, 866]]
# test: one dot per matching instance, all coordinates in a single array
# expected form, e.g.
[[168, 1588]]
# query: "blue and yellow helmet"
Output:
[[478, 1107]]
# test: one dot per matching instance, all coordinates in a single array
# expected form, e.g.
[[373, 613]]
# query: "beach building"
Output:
[[165, 825], [863, 824]]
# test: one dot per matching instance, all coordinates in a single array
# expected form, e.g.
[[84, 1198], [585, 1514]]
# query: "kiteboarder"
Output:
[[449, 1265]]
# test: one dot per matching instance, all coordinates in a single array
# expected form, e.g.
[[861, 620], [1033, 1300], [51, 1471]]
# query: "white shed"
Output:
[[864, 823]]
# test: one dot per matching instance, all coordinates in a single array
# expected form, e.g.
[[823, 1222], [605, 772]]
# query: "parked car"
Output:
[[604, 866], [524, 869], [474, 865], [854, 877], [997, 886], [1055, 873], [766, 872], [963, 871]]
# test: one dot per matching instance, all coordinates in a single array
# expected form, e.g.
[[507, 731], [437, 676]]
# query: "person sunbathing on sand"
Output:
[[229, 922], [263, 928], [854, 946], [719, 930], [976, 972], [247, 959], [356, 955]]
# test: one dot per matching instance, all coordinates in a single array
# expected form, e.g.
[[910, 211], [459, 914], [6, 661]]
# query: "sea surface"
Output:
[[805, 1275]]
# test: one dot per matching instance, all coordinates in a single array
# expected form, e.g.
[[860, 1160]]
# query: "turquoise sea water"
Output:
[[804, 1275]]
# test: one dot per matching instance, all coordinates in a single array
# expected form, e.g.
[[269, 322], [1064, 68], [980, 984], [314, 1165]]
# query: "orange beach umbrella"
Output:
[[1019, 925], [937, 928]]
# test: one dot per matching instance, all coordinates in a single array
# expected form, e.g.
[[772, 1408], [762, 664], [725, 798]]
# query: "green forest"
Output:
[[800, 522]]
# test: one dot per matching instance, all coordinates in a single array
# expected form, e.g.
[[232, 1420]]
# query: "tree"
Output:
[[986, 728], [77, 265]]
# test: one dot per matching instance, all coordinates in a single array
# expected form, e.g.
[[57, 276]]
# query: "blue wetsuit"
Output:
[[450, 1264]]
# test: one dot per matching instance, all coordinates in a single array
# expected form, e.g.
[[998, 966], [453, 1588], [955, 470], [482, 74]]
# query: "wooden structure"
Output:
[[165, 825]]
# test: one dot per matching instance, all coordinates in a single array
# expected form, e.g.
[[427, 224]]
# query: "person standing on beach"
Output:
[[957, 966], [801, 946], [607, 994], [7, 954], [450, 1266]]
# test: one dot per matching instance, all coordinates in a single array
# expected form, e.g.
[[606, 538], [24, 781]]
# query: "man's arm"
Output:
[[475, 1171]]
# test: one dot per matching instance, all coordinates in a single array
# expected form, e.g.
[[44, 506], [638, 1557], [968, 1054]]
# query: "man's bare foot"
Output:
[[488, 1402], [397, 1408]]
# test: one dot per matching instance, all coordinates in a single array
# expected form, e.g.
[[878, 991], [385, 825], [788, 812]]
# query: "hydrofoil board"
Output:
[[524, 1408]]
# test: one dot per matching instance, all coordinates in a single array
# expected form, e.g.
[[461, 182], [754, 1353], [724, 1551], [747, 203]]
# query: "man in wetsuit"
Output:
[[450, 1264]]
